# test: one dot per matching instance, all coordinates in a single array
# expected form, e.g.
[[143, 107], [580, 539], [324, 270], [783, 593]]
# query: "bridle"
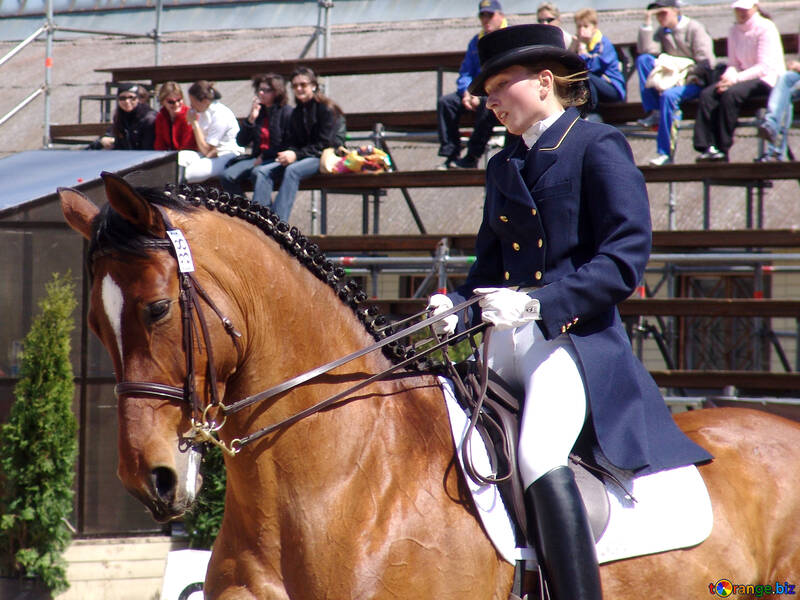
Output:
[[191, 294]]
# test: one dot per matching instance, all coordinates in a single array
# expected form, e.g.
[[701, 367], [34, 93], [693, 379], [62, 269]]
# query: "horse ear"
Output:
[[132, 207], [78, 210]]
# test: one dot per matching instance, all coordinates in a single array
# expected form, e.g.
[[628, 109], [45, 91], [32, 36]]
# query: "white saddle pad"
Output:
[[673, 509]]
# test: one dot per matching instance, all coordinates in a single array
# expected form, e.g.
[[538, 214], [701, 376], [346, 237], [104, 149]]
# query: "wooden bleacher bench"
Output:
[[663, 241], [476, 177], [403, 121], [337, 65]]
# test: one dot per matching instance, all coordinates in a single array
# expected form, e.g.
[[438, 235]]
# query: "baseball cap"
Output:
[[665, 4], [745, 4], [490, 6]]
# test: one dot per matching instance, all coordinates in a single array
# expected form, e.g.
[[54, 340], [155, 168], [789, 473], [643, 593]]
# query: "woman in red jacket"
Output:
[[173, 131]]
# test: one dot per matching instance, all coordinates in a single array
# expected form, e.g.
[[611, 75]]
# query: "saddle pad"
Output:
[[673, 509]]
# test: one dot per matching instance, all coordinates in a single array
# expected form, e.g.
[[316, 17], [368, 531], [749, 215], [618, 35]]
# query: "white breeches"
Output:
[[555, 396], [199, 168]]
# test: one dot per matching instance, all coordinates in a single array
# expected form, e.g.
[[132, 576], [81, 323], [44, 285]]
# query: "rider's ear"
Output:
[[133, 207], [78, 210]]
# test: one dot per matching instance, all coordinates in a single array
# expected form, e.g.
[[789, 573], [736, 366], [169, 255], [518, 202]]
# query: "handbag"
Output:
[[669, 71]]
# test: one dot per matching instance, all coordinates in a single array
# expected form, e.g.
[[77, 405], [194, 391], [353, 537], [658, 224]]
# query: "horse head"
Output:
[[136, 310]]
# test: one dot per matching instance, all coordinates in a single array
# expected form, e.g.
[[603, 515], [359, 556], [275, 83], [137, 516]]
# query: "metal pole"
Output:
[[671, 207], [327, 31], [28, 40], [22, 105], [48, 65], [157, 32]]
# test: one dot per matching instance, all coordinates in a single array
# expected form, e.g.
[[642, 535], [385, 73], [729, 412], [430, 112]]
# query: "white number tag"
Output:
[[182, 252]]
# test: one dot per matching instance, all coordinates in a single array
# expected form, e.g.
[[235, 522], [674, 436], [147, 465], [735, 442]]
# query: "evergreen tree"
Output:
[[38, 448]]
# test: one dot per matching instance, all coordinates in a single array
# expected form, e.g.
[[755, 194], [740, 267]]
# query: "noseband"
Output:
[[191, 292]]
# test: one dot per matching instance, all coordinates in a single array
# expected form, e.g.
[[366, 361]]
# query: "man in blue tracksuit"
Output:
[[451, 107]]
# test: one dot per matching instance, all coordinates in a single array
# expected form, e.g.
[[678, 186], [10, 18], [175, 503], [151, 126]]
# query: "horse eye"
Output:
[[158, 310]]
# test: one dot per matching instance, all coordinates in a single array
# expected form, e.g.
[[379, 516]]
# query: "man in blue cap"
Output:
[[451, 107]]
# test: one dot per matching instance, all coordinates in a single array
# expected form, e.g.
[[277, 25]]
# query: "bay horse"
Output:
[[363, 499]]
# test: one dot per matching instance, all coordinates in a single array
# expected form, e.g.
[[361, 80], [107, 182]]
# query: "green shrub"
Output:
[[38, 448]]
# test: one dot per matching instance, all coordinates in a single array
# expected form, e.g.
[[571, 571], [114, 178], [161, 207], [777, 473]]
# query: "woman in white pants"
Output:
[[565, 237], [215, 127]]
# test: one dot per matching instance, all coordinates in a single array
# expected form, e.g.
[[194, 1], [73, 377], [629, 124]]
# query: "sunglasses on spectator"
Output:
[[174, 100], [301, 84], [127, 98], [545, 20], [265, 90]]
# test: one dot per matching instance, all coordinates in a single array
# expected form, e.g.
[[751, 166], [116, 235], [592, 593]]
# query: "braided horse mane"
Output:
[[113, 233]]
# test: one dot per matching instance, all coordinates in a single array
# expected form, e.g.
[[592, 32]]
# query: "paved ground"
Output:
[[456, 210]]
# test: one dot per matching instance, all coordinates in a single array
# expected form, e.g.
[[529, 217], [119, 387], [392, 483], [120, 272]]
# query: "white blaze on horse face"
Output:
[[112, 304]]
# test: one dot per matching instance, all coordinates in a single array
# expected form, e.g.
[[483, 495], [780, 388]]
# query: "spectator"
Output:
[[451, 107], [548, 14], [133, 125], [606, 81], [774, 127], [215, 127], [173, 131], [263, 130], [316, 123], [143, 94], [680, 36], [755, 61]]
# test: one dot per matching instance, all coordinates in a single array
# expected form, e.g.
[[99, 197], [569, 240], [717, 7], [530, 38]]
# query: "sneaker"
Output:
[[712, 154], [447, 165], [661, 159], [650, 121], [768, 157], [468, 162]]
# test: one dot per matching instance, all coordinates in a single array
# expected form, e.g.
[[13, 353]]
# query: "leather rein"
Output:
[[191, 294]]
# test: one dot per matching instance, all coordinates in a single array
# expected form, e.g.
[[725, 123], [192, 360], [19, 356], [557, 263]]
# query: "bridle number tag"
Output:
[[182, 252]]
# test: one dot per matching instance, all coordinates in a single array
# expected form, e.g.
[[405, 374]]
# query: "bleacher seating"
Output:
[[425, 121]]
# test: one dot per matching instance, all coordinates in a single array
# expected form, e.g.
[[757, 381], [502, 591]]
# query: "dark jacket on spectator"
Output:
[[278, 119], [313, 127], [134, 130], [174, 135]]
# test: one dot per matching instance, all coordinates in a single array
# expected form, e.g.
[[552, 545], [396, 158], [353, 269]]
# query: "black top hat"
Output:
[[522, 44]]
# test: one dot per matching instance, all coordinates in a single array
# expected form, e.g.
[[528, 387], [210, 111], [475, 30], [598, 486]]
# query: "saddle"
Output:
[[493, 408]]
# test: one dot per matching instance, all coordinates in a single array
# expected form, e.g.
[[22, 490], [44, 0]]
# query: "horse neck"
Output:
[[293, 322]]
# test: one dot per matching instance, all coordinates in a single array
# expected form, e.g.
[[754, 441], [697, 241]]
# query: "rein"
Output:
[[192, 292]]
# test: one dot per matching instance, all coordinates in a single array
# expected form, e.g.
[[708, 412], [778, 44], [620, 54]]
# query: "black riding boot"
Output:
[[565, 538]]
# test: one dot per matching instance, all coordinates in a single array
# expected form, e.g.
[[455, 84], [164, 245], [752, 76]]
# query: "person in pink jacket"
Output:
[[755, 61]]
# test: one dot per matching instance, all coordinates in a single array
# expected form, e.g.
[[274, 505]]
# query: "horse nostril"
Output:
[[164, 481]]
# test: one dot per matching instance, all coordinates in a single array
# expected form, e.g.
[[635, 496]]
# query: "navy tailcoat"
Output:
[[571, 217]]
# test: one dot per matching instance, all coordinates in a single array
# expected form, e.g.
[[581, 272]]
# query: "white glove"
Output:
[[439, 303], [504, 308]]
